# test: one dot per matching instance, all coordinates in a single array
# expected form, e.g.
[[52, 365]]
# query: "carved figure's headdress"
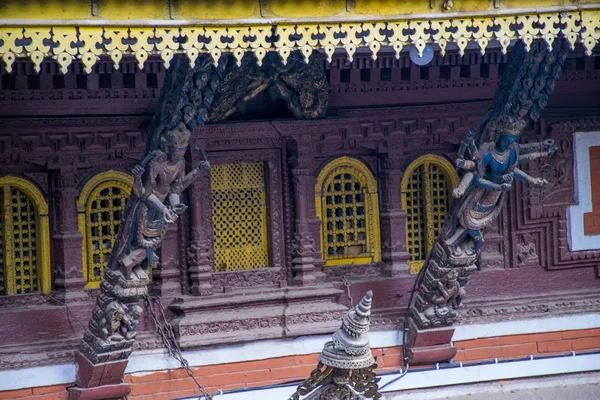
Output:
[[506, 125], [350, 348], [177, 137]]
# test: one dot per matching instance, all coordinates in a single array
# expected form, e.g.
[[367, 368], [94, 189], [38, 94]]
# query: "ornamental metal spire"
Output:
[[346, 368]]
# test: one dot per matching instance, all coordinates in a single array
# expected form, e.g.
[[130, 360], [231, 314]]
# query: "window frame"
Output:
[[450, 172], [94, 185], [264, 229], [276, 230], [42, 233], [363, 174]]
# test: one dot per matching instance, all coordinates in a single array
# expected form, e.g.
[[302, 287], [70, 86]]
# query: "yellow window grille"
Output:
[[346, 202], [239, 216], [345, 218], [427, 195], [18, 243], [105, 208], [415, 216]]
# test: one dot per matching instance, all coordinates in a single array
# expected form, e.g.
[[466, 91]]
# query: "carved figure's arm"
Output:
[[174, 199], [155, 203], [525, 158], [522, 176], [460, 190], [203, 165], [138, 173], [467, 165], [531, 151], [191, 176], [177, 186], [148, 195], [544, 145], [489, 185], [468, 143]]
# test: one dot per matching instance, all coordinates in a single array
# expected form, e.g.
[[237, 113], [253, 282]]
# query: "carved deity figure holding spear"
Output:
[[159, 181]]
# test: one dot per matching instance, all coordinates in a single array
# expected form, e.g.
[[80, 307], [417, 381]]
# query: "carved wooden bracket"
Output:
[[191, 96], [490, 157]]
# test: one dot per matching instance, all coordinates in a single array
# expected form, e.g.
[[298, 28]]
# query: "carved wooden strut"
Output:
[[192, 96], [489, 157]]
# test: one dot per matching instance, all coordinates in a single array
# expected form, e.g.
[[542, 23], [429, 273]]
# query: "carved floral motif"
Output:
[[230, 326]]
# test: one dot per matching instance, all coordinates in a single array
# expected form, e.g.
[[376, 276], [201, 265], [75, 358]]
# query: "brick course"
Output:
[[166, 385]]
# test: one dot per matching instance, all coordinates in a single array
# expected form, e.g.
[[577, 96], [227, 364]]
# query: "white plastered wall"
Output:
[[145, 362]]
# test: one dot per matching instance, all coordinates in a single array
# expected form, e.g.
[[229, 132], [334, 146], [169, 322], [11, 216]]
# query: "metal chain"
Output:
[[347, 284], [167, 335]]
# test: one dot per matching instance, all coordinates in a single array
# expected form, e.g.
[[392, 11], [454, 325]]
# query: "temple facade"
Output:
[[308, 203]]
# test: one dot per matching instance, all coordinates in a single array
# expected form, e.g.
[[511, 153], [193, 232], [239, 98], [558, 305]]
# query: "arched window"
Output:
[[239, 216], [24, 238], [99, 209], [346, 202], [426, 197]]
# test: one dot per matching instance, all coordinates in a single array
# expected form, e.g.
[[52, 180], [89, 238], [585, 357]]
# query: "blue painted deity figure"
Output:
[[489, 176]]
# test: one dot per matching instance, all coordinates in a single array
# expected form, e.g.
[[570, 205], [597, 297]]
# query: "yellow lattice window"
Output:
[[346, 200], [24, 238], [100, 208], [239, 216], [426, 197]]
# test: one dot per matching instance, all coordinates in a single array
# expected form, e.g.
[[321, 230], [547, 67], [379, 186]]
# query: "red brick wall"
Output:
[[515, 346], [166, 385], [57, 392], [175, 383], [591, 221]]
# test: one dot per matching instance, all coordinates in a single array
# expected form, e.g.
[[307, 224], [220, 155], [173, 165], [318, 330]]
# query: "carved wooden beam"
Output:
[[489, 157]]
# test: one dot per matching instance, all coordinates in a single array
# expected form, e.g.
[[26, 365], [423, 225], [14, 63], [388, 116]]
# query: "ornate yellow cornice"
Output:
[[75, 30]]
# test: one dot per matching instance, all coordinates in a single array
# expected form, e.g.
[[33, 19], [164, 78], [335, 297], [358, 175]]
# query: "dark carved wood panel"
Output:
[[47, 130]]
